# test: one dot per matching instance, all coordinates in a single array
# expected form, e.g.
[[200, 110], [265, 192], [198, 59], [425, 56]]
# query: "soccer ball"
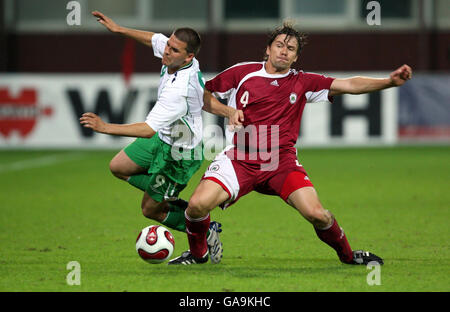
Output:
[[155, 244]]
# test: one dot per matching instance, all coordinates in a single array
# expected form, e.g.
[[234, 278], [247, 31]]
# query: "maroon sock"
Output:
[[197, 230], [335, 237]]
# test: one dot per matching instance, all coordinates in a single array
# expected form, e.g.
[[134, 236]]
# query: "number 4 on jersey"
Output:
[[244, 98]]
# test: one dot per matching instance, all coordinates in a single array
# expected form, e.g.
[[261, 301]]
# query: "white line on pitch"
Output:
[[40, 162]]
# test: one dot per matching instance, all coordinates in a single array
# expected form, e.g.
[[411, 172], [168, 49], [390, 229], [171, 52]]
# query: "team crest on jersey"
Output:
[[293, 98], [214, 167]]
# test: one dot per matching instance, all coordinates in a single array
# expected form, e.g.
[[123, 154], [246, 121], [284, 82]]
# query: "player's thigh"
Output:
[[123, 166], [306, 201], [143, 151], [206, 197], [232, 177]]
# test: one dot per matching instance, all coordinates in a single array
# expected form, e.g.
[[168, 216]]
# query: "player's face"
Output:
[[282, 53], [175, 55]]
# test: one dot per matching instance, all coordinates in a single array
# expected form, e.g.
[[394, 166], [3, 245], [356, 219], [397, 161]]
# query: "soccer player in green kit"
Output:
[[160, 162]]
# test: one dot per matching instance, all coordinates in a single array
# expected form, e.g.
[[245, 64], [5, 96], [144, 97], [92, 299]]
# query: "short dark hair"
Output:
[[287, 29], [191, 37]]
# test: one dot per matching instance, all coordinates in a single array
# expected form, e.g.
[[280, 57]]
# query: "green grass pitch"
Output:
[[62, 206]]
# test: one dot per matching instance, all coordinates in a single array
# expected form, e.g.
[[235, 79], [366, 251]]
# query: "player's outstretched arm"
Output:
[[359, 85], [144, 37], [137, 130]]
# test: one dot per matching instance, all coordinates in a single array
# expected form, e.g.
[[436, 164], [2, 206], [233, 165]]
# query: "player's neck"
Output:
[[272, 70], [172, 70]]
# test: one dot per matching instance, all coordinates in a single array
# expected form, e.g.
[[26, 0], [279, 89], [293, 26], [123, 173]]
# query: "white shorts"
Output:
[[222, 172]]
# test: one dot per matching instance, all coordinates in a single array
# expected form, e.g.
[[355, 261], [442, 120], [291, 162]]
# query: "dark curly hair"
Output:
[[287, 29]]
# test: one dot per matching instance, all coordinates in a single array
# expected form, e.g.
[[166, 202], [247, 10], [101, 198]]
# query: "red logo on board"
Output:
[[20, 112]]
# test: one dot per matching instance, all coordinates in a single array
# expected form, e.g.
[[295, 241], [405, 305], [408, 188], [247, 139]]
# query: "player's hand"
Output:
[[236, 120], [400, 75], [92, 121], [106, 21]]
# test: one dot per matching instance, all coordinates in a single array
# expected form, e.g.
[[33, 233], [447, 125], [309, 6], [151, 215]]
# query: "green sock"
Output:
[[175, 220], [141, 181], [175, 216]]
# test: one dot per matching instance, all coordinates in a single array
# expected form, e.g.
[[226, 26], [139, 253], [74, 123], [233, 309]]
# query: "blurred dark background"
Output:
[[35, 37]]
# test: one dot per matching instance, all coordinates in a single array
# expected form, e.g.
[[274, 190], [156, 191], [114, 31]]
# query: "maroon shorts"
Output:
[[240, 177]]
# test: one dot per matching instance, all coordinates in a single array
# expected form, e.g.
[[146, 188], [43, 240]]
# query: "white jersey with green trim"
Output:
[[177, 114]]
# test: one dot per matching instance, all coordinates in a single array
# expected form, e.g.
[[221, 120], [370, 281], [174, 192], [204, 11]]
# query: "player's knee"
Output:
[[197, 207], [319, 217], [116, 169]]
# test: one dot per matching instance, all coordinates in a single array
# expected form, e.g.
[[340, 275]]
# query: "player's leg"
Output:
[[172, 214], [205, 198], [160, 201], [169, 213], [293, 185], [306, 201], [152, 209], [131, 164], [122, 167], [222, 184]]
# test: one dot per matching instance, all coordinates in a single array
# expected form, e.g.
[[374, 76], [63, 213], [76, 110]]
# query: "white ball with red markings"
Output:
[[155, 244]]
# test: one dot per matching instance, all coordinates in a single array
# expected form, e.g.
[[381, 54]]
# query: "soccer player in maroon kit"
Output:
[[270, 97]]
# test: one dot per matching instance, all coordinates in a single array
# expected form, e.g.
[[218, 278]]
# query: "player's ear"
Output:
[[189, 57]]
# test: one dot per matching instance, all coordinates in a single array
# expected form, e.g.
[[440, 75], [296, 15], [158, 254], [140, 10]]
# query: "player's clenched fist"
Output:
[[236, 120], [401, 75], [92, 121]]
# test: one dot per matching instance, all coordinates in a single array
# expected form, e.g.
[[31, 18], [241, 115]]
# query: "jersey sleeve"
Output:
[[171, 106], [223, 84], [159, 42], [317, 88]]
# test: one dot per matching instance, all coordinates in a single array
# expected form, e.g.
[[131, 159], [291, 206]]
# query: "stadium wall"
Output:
[[99, 53]]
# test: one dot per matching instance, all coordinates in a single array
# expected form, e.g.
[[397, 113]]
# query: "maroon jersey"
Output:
[[272, 104]]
